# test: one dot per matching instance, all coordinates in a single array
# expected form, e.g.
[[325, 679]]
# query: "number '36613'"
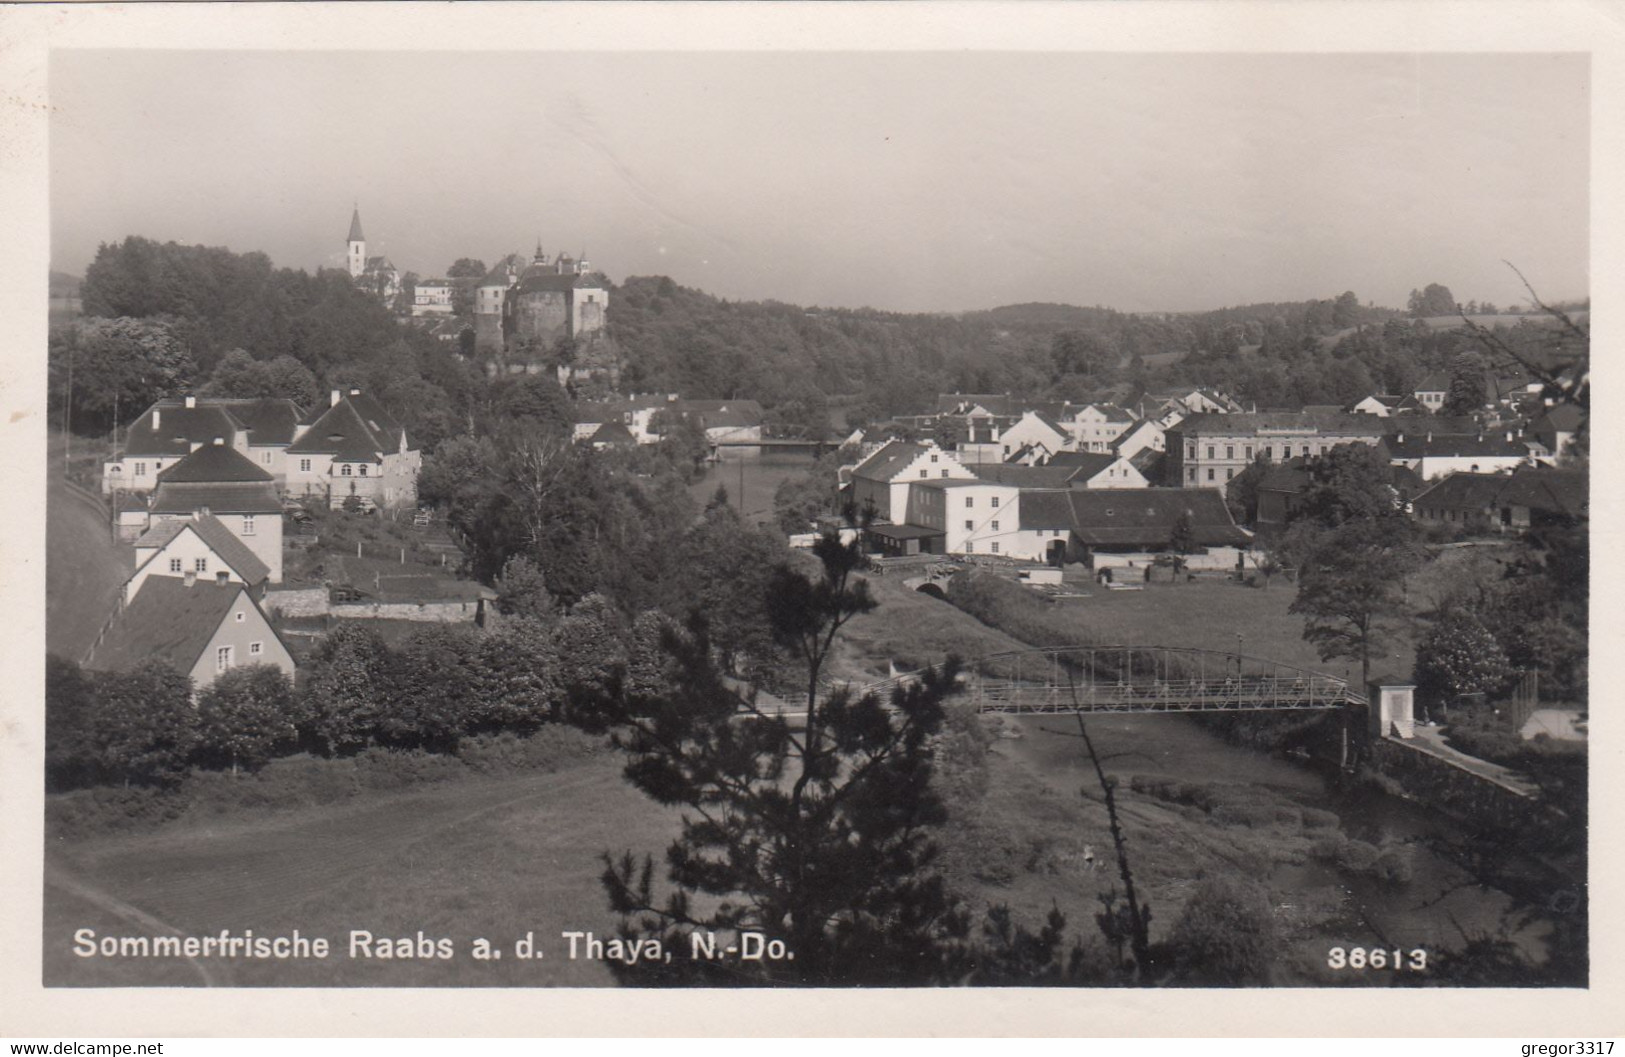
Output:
[[1415, 960]]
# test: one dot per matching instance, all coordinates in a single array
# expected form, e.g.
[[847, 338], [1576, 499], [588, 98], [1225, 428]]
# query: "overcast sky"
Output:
[[938, 182]]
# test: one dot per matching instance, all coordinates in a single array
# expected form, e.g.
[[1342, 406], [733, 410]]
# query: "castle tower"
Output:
[[358, 246]]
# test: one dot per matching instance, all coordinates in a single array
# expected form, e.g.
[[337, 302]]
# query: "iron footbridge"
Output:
[[1137, 679]]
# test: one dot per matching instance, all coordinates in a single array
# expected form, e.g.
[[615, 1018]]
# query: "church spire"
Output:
[[355, 226]]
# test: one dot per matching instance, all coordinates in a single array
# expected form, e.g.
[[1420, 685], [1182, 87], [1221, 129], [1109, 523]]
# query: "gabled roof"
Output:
[[270, 420], [1133, 518], [541, 279], [213, 463], [179, 427], [219, 539], [1463, 491], [612, 433], [719, 414], [356, 429], [1149, 461], [889, 461], [1550, 489], [1085, 464], [964, 403], [1433, 383], [169, 621], [1561, 418]]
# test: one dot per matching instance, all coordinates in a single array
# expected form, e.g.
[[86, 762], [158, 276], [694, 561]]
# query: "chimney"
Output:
[[355, 392], [1400, 437], [1509, 436], [191, 401], [190, 579], [220, 440], [1430, 436], [337, 395], [157, 419]]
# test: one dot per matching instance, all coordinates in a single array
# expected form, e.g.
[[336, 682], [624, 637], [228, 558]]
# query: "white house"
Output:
[[882, 480], [1434, 455], [1096, 427], [166, 432], [354, 449], [974, 517], [220, 481], [201, 545], [432, 297], [1142, 435], [1034, 430], [1100, 470]]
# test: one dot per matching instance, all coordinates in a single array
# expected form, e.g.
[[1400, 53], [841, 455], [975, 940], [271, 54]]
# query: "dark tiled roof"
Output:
[[173, 498], [355, 227], [889, 461], [233, 551], [356, 429], [1026, 476], [1463, 491], [213, 463], [1140, 517], [612, 433], [1433, 383], [1334, 423], [541, 279], [1565, 418], [160, 533], [270, 420], [169, 621], [1086, 463], [1420, 445], [179, 427], [1549, 489], [962, 403]]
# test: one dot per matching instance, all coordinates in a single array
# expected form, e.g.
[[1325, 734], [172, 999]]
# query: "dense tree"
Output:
[[1351, 587], [117, 365], [1459, 656], [348, 687], [590, 642], [522, 591], [800, 500], [246, 716], [1466, 393], [144, 726], [1432, 300], [70, 707], [817, 838], [721, 570], [238, 374], [435, 682], [1350, 482]]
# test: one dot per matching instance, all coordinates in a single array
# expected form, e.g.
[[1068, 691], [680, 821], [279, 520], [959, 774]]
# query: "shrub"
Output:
[[1356, 856], [1225, 936], [1396, 864], [1315, 818], [143, 725], [246, 716]]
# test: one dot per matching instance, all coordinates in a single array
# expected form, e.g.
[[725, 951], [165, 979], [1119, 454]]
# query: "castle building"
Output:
[[561, 298]]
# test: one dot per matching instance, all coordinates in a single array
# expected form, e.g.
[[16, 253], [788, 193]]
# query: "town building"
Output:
[[1099, 470], [491, 302], [354, 449], [1431, 391], [1207, 450], [1555, 430], [202, 628], [1034, 437], [881, 481], [968, 516], [165, 433], [1435, 454], [1096, 427], [556, 299], [432, 297], [220, 481], [1514, 502], [201, 545], [1142, 434], [1111, 528]]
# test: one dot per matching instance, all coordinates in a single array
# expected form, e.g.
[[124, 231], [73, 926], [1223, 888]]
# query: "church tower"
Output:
[[358, 246]]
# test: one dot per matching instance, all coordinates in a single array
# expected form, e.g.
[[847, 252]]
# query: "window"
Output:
[[222, 658], [1192, 453], [925, 473], [995, 502], [933, 458], [1210, 450], [266, 458], [995, 526], [363, 469], [201, 565], [1191, 473], [1229, 474], [1210, 473], [1249, 453], [970, 547], [304, 465], [1229, 451], [141, 469], [970, 526], [1269, 452], [248, 524], [174, 565], [344, 470], [256, 648], [970, 501], [995, 548], [945, 472]]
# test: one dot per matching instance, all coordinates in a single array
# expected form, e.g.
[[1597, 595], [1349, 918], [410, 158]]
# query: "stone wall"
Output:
[[1453, 790], [298, 602], [315, 602], [542, 317]]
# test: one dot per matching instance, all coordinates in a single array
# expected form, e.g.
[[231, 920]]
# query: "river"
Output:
[[750, 482], [1435, 911]]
